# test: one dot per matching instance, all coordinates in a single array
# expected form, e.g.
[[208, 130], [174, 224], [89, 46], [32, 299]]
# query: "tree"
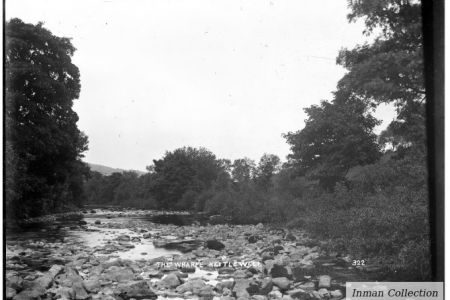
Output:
[[337, 136], [391, 69], [268, 165], [243, 170], [183, 174], [44, 145]]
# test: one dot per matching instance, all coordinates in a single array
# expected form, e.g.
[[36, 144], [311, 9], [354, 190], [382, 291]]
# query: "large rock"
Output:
[[79, 292], [119, 274], [282, 283], [324, 281], [171, 280], [225, 284], [215, 245], [10, 293], [266, 286], [55, 270], [240, 288], [302, 271], [30, 294], [92, 285], [307, 286], [278, 270], [194, 286], [253, 239], [15, 282], [136, 290], [123, 238], [206, 292], [64, 292], [324, 293], [275, 295], [336, 295], [43, 282], [299, 294]]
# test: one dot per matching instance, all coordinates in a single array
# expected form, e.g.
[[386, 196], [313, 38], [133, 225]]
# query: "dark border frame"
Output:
[[433, 16]]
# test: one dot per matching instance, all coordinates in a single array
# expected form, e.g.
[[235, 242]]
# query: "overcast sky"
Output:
[[228, 75]]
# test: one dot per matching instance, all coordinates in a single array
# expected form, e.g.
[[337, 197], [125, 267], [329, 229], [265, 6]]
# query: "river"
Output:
[[139, 240]]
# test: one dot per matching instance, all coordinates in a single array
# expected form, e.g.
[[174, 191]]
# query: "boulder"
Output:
[[79, 292], [97, 222], [324, 293], [298, 294], [336, 295], [266, 286], [119, 274], [282, 283], [206, 291], [215, 245], [64, 292], [171, 280], [29, 294], [277, 249], [253, 239], [290, 237], [307, 286], [44, 281], [275, 295], [10, 293], [324, 281], [92, 285], [279, 271], [15, 282], [240, 288], [136, 290], [302, 271], [225, 284], [55, 270], [194, 286], [124, 238]]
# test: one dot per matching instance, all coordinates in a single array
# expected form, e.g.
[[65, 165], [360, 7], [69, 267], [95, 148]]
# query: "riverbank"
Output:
[[112, 256]]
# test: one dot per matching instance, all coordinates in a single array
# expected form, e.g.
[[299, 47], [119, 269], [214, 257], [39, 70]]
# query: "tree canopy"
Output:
[[183, 173], [43, 143]]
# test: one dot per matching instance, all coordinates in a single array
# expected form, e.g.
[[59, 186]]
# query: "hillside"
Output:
[[105, 170]]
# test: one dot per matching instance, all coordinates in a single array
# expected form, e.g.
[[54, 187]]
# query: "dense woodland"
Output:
[[359, 192]]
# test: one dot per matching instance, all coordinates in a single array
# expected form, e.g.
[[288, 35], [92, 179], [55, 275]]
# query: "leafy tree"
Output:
[[44, 145], [183, 174], [391, 69], [337, 136], [268, 166], [243, 170]]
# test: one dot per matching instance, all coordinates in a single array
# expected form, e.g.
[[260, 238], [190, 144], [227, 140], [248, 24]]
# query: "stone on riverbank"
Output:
[[324, 281], [135, 289], [171, 280], [281, 282], [215, 245]]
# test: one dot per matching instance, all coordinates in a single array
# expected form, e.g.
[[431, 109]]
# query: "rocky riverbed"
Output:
[[125, 255]]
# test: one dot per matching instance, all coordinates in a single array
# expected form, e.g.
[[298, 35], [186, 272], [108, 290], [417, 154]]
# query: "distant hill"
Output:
[[108, 170]]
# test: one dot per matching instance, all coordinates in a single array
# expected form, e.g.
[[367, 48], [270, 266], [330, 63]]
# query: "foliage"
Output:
[[43, 145], [390, 69], [337, 136], [182, 174], [125, 189]]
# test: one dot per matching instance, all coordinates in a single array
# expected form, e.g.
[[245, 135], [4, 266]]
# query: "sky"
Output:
[[229, 75]]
